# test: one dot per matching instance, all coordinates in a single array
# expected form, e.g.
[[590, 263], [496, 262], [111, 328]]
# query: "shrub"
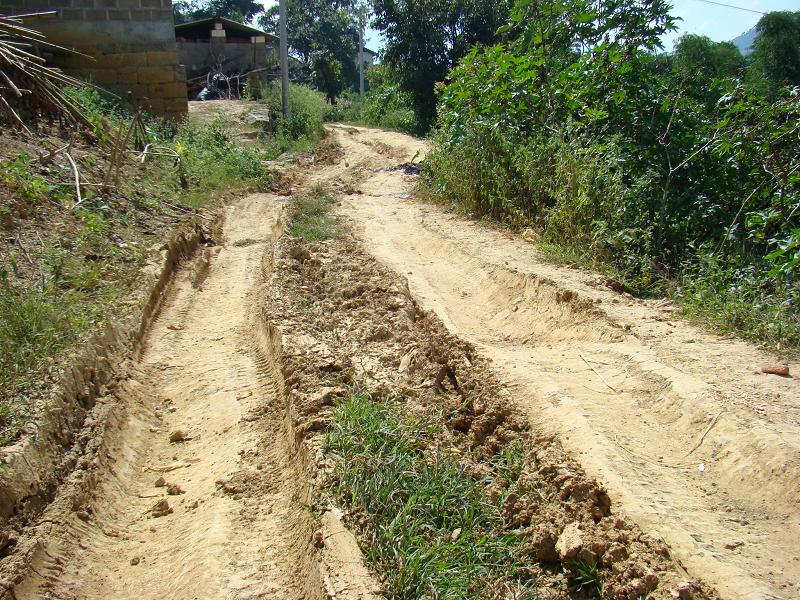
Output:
[[386, 107], [612, 153]]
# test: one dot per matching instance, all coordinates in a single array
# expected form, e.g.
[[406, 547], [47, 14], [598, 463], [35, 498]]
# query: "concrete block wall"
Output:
[[130, 46]]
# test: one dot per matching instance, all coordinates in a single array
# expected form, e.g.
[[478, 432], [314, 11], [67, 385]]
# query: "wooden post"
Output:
[[284, 59]]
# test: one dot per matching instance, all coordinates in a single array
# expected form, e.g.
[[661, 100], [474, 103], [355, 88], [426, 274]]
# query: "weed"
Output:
[[736, 299], [431, 527], [310, 216], [303, 130], [587, 577], [510, 461], [28, 187]]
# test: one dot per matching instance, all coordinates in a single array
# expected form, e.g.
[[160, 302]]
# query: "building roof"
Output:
[[186, 29], [368, 51]]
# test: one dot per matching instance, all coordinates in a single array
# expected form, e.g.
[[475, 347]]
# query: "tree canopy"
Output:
[[667, 167], [243, 11], [776, 51], [323, 35], [425, 39]]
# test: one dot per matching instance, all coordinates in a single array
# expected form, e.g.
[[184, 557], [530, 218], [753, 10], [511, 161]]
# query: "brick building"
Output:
[[130, 46]]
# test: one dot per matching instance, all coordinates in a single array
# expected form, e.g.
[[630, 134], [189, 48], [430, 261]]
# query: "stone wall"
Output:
[[130, 46]]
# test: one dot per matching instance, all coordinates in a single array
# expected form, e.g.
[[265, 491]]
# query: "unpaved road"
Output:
[[691, 441], [200, 373]]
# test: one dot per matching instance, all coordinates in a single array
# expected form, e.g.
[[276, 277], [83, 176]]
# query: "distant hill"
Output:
[[745, 41]]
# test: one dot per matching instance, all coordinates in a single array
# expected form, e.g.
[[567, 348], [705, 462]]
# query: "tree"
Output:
[[327, 71], [425, 39], [698, 55], [242, 11], [776, 51], [323, 35]]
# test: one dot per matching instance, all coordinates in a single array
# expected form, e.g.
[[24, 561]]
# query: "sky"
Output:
[[717, 22], [720, 23]]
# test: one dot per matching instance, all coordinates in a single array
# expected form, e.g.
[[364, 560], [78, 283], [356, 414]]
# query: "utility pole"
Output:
[[284, 59], [361, 19]]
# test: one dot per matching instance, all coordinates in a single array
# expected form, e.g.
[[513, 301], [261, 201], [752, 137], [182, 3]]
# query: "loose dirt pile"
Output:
[[350, 323]]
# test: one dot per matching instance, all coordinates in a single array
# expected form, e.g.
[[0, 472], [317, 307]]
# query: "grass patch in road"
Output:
[[310, 216], [433, 531]]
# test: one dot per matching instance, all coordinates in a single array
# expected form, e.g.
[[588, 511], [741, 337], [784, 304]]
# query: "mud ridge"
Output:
[[355, 325]]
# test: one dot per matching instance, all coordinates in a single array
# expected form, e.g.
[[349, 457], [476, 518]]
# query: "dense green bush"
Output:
[[304, 127], [385, 106], [655, 167], [209, 157]]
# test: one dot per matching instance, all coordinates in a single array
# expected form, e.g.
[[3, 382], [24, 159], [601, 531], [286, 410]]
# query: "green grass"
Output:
[[211, 161], [55, 292], [586, 578], [737, 301], [432, 531], [40, 320], [310, 216]]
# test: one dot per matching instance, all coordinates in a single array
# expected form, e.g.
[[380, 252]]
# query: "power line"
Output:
[[758, 12]]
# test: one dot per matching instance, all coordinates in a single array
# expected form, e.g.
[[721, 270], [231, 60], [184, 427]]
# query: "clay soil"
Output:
[[659, 451]]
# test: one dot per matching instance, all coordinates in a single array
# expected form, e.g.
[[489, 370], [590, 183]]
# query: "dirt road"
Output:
[[690, 441], [693, 443]]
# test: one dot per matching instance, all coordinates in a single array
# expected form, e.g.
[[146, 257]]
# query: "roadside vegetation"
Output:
[[678, 173], [385, 105], [304, 128], [434, 531]]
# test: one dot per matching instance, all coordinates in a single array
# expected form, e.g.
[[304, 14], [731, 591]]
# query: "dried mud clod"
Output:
[[350, 324], [161, 509]]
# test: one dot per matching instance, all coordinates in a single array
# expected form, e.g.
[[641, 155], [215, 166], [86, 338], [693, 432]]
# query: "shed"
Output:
[[370, 56], [220, 45]]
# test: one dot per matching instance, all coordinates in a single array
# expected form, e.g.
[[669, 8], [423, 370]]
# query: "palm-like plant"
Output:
[[27, 85]]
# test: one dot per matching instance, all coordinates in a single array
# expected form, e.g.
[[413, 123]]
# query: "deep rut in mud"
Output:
[[201, 414]]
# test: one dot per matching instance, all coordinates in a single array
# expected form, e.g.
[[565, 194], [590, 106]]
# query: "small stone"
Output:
[[781, 370], [174, 490], [684, 591], [650, 581], [733, 545], [135, 561], [228, 486], [614, 554], [319, 540], [83, 515], [160, 482], [570, 541]]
